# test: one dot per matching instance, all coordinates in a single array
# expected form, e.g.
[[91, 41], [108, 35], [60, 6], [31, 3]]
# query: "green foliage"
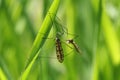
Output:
[[27, 39]]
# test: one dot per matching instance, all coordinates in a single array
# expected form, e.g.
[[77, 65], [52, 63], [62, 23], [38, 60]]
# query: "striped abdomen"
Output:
[[59, 50]]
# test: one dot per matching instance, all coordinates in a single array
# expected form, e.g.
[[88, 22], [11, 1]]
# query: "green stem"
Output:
[[70, 14], [39, 41]]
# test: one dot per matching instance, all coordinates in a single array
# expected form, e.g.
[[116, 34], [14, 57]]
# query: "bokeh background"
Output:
[[96, 22]]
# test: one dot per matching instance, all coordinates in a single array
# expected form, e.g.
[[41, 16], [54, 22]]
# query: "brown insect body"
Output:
[[74, 44], [59, 50]]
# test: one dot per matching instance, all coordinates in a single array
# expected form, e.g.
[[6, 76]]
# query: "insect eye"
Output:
[[68, 41], [71, 40]]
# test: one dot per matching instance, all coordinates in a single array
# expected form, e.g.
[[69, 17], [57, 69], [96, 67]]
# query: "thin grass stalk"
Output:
[[39, 41], [4, 68], [2, 75], [111, 38], [98, 11], [70, 15]]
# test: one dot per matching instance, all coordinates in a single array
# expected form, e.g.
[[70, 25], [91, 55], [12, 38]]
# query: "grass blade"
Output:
[[39, 41]]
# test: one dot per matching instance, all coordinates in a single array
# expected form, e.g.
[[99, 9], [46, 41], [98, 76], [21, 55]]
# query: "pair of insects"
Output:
[[60, 30], [59, 50]]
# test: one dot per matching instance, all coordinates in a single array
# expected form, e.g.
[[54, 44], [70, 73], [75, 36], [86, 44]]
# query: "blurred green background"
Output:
[[97, 22]]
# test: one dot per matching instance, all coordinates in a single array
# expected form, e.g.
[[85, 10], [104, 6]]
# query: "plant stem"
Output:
[[39, 41]]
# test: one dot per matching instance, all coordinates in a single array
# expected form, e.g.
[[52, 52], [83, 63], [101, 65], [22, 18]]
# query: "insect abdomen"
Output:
[[59, 51]]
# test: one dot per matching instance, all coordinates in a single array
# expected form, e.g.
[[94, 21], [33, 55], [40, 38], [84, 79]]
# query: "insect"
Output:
[[71, 41], [56, 45], [61, 31], [59, 50]]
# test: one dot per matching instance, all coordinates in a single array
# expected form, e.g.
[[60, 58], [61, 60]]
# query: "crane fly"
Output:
[[59, 50], [60, 31], [71, 41]]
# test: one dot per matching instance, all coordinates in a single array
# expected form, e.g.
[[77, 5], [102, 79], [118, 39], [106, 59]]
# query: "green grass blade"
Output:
[[26, 72], [111, 39], [2, 75], [39, 41]]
